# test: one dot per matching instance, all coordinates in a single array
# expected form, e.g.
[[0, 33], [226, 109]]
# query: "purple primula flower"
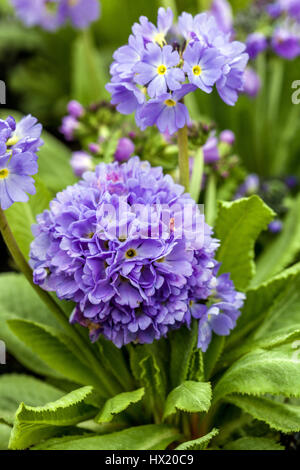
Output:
[[124, 149], [227, 136], [222, 12], [151, 33], [18, 160], [158, 70], [75, 109], [68, 127], [210, 150], [275, 226], [51, 14], [106, 244], [81, 162], [127, 96], [126, 57], [286, 42], [203, 65], [250, 186], [256, 43], [80, 12], [252, 82], [166, 111]]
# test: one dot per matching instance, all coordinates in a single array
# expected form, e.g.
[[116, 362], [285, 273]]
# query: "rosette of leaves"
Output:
[[241, 394]]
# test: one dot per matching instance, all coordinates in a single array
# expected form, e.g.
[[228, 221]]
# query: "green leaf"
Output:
[[280, 416], [56, 350], [117, 404], [192, 397], [259, 300], [284, 248], [259, 372], [253, 443], [88, 78], [28, 306], [22, 215], [183, 343], [15, 388], [198, 444], [238, 225], [33, 425], [148, 437], [213, 354], [110, 354], [5, 431]]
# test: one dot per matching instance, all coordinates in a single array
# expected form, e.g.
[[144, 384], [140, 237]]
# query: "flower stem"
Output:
[[49, 301], [210, 201], [184, 170]]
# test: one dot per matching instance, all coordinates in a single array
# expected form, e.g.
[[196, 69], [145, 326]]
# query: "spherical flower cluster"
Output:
[[18, 160], [52, 14], [125, 245], [167, 61]]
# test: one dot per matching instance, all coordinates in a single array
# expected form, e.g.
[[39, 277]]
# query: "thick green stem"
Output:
[[197, 175], [50, 302], [210, 202], [184, 170]]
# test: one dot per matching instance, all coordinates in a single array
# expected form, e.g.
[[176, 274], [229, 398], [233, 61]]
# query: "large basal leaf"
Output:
[[259, 300], [148, 437], [280, 416], [253, 443], [198, 444], [56, 350], [17, 388], [284, 248], [183, 343], [110, 354], [275, 371], [32, 425], [22, 215], [28, 306], [117, 404], [191, 397], [238, 225], [5, 431]]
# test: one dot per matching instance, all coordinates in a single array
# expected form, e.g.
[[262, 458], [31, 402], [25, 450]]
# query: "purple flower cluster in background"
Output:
[[52, 14], [18, 160], [161, 64], [285, 38], [128, 285], [71, 122]]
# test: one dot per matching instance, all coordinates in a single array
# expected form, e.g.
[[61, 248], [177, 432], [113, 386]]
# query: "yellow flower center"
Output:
[[12, 141], [131, 253], [161, 69], [197, 70], [170, 102], [4, 173], [160, 39]]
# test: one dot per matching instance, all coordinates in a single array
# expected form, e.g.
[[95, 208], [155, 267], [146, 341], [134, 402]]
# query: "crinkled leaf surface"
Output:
[[198, 444], [190, 396], [118, 403]]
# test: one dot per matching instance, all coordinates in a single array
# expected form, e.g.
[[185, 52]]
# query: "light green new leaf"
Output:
[[28, 306], [280, 416], [22, 215], [283, 250], [192, 397], [32, 425], [198, 444], [17, 388], [147, 437], [253, 443], [56, 350], [117, 404], [5, 431], [275, 371], [238, 225]]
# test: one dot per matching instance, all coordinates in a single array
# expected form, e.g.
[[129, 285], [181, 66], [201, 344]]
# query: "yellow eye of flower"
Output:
[[161, 69], [197, 70], [160, 39], [131, 253], [12, 141], [4, 173], [170, 102]]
